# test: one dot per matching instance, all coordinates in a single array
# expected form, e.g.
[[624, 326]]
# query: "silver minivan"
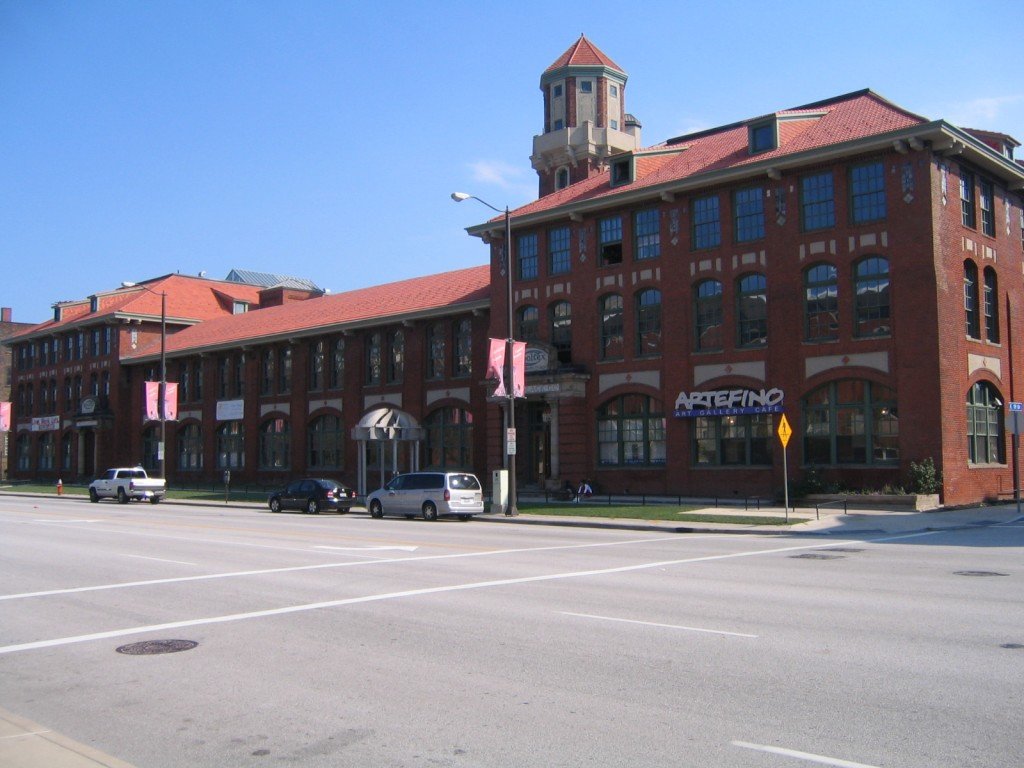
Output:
[[429, 494]]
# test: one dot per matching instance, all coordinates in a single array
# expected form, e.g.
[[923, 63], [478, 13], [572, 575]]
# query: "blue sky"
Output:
[[322, 139]]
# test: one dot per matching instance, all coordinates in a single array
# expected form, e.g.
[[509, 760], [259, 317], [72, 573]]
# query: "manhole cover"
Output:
[[816, 556], [1012, 646], [979, 573], [151, 647]]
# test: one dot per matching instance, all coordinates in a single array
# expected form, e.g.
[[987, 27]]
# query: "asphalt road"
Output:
[[344, 641]]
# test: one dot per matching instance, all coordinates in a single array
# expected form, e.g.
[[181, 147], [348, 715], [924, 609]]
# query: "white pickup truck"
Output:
[[127, 484]]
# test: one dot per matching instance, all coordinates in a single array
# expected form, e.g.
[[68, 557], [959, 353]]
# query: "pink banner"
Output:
[[496, 366], [519, 369], [5, 417], [153, 401]]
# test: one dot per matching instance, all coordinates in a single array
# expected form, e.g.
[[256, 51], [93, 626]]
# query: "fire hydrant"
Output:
[[60, 487]]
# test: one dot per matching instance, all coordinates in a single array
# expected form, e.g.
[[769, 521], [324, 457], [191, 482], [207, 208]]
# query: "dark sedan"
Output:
[[311, 495]]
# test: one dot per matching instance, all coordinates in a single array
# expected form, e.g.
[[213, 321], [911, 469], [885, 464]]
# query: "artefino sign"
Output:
[[728, 402]]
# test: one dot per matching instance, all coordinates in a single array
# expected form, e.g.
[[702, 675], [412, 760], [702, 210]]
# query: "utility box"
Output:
[[499, 491]]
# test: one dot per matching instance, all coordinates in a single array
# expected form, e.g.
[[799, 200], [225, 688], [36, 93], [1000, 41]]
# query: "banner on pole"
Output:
[[496, 366], [518, 369], [153, 401], [5, 417]]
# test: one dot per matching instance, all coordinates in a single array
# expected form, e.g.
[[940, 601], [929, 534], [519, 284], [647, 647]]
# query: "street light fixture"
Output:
[[510, 456], [163, 371]]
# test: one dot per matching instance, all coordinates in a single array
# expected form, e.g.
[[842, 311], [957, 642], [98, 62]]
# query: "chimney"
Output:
[[5, 314]]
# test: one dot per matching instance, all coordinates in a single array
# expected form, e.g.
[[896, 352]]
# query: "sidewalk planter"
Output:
[[911, 502]]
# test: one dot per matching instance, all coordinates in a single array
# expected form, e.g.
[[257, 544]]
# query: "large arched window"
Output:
[[631, 431], [560, 317], [985, 443], [396, 356], [648, 322], [871, 297], [67, 442], [317, 361], [529, 324], [851, 422], [337, 380], [610, 309], [326, 437], [190, 448], [821, 303], [752, 311], [47, 451], [707, 321], [23, 451], [267, 360], [284, 370], [741, 440], [374, 361], [971, 308], [275, 444], [230, 445], [449, 439]]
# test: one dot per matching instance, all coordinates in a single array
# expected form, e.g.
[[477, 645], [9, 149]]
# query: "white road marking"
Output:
[[656, 624], [61, 522], [807, 756], [26, 733], [161, 560], [367, 549], [409, 593]]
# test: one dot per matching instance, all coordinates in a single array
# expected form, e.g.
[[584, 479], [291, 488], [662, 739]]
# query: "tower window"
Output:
[[558, 125], [562, 178], [586, 86], [613, 91], [556, 91]]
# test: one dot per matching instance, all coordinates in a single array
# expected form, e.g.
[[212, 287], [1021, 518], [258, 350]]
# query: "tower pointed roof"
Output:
[[584, 53]]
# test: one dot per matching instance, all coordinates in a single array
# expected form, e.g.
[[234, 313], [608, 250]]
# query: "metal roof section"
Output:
[[271, 280]]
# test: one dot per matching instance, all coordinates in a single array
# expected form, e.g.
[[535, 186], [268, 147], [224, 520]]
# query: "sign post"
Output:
[[1015, 423], [785, 432]]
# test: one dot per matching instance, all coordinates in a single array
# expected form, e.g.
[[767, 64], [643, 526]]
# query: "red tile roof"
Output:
[[846, 118], [189, 300], [583, 53], [381, 303]]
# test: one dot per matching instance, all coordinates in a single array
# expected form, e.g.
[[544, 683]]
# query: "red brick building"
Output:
[[847, 263]]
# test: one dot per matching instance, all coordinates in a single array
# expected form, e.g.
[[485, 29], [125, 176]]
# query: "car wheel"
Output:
[[275, 505], [93, 496], [313, 507], [376, 510], [429, 511], [154, 500], [122, 497]]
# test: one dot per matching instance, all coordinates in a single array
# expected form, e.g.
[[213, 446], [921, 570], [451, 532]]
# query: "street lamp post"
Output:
[[510, 456], [163, 373]]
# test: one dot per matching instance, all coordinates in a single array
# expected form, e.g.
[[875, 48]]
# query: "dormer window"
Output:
[[763, 137], [94, 303], [57, 311], [239, 307], [622, 172]]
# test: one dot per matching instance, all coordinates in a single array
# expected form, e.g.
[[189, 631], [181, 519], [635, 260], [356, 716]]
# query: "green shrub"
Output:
[[924, 477]]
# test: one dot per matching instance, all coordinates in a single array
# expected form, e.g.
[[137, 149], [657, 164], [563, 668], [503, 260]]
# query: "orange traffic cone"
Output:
[[60, 487]]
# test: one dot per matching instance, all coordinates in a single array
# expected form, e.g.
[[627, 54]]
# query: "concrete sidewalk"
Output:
[[24, 744]]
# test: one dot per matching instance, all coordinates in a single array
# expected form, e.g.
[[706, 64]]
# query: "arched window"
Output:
[[190, 448], [266, 372], [326, 436], [990, 306], [23, 450], [529, 324], [396, 356], [871, 297], [971, 309], [437, 349], [610, 310], [284, 370], [851, 422], [707, 321], [230, 445], [464, 348], [562, 178], [374, 361], [752, 311], [449, 439], [151, 447], [821, 303], [631, 431], [648, 322], [275, 444], [985, 443], [560, 317], [67, 441]]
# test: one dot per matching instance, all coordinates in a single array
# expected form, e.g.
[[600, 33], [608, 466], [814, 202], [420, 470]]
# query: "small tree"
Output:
[[924, 477]]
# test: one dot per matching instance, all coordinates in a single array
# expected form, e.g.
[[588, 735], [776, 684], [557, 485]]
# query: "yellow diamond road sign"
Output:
[[784, 431]]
